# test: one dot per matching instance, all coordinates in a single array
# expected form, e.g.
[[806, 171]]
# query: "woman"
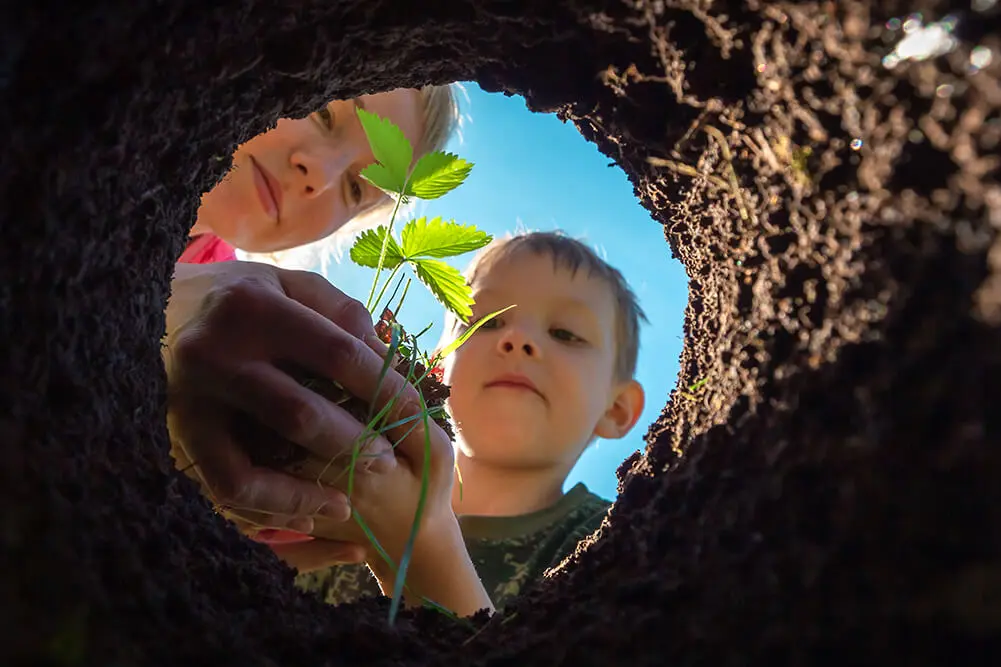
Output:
[[301, 181]]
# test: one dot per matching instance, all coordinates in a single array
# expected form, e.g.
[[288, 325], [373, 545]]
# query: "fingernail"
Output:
[[377, 345], [337, 508]]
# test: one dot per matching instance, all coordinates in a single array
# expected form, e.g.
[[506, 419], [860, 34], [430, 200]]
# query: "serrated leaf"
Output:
[[447, 284], [382, 178], [368, 246], [436, 238], [389, 145], [436, 174]]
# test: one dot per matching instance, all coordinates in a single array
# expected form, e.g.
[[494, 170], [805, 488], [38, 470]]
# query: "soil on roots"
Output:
[[828, 493]]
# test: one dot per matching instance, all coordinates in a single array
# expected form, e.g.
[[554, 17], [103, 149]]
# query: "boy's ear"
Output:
[[624, 411]]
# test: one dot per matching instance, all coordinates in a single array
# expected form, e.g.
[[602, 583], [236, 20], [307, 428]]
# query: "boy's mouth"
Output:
[[515, 381]]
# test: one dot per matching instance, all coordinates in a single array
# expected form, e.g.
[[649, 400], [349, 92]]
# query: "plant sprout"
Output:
[[422, 246]]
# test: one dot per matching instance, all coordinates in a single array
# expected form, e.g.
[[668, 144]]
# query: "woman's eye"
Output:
[[356, 191], [564, 335], [492, 323], [326, 117]]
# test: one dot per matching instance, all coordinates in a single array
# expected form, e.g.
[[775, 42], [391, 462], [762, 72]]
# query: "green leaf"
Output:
[[437, 174], [368, 247], [439, 239], [391, 149], [447, 284], [458, 342], [382, 178]]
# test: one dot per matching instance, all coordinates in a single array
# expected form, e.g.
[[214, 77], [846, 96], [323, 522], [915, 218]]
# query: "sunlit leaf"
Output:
[[389, 146], [382, 178], [447, 284], [436, 238], [436, 174], [368, 246]]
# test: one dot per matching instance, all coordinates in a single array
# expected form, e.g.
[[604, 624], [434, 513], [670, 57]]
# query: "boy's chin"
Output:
[[503, 435]]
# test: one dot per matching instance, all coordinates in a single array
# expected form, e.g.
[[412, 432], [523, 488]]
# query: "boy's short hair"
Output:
[[571, 254]]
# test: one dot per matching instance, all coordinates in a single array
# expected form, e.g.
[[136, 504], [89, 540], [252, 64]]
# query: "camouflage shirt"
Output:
[[509, 552]]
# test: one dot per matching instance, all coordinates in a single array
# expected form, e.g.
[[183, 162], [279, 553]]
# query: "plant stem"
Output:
[[385, 245], [386, 284]]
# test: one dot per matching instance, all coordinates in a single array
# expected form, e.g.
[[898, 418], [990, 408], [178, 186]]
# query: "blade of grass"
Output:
[[394, 344], [457, 343], [408, 550], [426, 602], [371, 431], [399, 306], [431, 604], [385, 286], [371, 538], [395, 290]]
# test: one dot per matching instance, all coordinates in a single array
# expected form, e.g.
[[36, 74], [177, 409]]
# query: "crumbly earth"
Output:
[[267, 448], [824, 485]]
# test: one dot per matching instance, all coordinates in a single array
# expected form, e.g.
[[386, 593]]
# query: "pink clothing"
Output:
[[207, 249]]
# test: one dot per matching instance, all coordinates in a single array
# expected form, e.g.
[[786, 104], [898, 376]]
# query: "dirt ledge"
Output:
[[839, 497]]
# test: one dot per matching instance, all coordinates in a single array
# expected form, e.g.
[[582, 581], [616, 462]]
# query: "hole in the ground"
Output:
[[532, 172]]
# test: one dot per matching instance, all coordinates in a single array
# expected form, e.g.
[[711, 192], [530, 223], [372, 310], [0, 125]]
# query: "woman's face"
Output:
[[300, 181]]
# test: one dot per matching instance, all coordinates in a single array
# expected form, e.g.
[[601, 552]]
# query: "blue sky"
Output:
[[534, 172]]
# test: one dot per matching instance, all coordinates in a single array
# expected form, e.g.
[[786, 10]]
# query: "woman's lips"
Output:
[[268, 190]]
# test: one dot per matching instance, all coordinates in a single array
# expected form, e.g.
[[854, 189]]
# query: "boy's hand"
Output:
[[386, 499], [318, 554]]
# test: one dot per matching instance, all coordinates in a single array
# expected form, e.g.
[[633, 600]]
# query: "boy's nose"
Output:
[[515, 340]]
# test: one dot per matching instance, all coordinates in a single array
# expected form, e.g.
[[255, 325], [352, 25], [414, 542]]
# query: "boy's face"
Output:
[[529, 388]]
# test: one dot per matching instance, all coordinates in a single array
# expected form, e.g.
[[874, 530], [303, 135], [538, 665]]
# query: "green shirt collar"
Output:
[[504, 527]]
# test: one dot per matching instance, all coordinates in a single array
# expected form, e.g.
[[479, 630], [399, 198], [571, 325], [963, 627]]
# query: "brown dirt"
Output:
[[266, 448], [830, 493]]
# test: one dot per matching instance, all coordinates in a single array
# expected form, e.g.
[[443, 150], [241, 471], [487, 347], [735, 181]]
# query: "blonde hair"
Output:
[[440, 116], [570, 254]]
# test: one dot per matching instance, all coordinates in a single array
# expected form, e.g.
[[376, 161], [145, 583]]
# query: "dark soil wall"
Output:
[[840, 496]]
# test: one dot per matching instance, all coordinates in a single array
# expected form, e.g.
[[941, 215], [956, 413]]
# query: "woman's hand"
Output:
[[231, 328]]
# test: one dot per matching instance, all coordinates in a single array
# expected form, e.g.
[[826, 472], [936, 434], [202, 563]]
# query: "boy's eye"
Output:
[[564, 335], [493, 323], [326, 117]]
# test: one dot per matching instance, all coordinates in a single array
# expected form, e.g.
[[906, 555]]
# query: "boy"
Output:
[[530, 390]]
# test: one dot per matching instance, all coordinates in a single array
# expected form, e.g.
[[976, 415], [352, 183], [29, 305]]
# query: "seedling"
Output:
[[421, 246]]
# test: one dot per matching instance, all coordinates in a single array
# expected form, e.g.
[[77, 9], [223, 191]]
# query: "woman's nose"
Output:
[[314, 171]]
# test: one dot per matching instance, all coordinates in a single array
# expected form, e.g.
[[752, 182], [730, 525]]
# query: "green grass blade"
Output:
[[457, 343], [371, 538], [408, 551], [399, 306], [382, 292]]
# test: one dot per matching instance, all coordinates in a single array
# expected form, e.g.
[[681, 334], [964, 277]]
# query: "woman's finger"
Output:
[[233, 481], [264, 395], [317, 294]]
